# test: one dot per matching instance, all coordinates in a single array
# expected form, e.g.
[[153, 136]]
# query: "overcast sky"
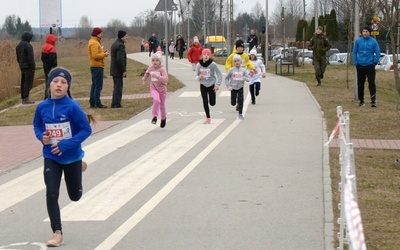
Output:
[[100, 12]]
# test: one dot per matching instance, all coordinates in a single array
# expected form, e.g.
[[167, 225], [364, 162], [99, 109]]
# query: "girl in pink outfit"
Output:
[[158, 88], [194, 53]]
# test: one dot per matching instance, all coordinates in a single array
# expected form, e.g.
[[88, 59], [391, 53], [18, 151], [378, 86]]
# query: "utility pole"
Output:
[[316, 14], [356, 32], [266, 36], [283, 26], [188, 33]]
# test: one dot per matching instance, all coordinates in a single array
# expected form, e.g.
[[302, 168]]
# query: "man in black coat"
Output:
[[153, 44], [27, 65], [252, 40], [118, 67]]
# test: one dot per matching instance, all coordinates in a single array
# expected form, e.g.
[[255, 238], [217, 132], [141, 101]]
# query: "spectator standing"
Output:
[[180, 46], [153, 44], [142, 46], [252, 40], [194, 53], [319, 44], [366, 54], [172, 50], [26, 61], [118, 67], [49, 59], [97, 56]]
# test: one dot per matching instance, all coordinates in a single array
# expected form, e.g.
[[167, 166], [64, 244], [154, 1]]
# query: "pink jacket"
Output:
[[159, 84], [194, 53]]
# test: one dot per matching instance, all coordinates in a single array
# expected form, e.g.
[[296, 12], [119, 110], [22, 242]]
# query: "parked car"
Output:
[[386, 63], [221, 52], [331, 52], [308, 56], [338, 59]]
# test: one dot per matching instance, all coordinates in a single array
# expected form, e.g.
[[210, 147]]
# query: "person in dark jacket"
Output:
[[180, 46], [153, 44], [49, 59], [118, 67], [319, 44], [26, 61], [252, 40]]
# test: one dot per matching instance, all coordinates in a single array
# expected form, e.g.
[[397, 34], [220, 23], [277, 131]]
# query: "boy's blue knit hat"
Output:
[[60, 72]]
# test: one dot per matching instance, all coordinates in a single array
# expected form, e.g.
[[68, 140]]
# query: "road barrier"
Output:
[[351, 229]]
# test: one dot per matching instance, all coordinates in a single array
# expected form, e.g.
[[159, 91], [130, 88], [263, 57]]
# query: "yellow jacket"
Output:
[[96, 53], [245, 58]]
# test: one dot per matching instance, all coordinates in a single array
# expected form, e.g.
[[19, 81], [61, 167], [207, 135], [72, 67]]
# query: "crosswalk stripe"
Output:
[[106, 198], [112, 240], [198, 94], [30, 183]]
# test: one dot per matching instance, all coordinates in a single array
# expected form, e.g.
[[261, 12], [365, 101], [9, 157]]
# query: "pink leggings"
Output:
[[159, 102]]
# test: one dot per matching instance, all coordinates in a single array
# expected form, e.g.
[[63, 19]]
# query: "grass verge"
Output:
[[80, 88]]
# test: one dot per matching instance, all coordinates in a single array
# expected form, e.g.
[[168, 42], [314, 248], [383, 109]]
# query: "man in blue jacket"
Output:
[[366, 54]]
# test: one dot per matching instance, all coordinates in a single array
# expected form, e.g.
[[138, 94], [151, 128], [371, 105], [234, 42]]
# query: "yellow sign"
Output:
[[374, 33]]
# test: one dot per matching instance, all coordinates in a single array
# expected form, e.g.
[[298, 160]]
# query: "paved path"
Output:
[[16, 154]]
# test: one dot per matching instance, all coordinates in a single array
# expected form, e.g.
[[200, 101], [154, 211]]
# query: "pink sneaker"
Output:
[[208, 121], [56, 239]]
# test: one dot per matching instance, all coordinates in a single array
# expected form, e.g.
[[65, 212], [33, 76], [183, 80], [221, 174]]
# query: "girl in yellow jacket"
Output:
[[239, 50]]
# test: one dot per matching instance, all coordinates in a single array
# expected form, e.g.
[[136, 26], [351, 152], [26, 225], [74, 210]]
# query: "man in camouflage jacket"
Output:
[[319, 44]]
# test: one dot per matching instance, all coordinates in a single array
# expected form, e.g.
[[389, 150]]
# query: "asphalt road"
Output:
[[258, 183]]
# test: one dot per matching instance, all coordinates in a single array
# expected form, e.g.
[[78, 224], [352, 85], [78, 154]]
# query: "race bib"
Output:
[[237, 76], [205, 73], [153, 75], [58, 131]]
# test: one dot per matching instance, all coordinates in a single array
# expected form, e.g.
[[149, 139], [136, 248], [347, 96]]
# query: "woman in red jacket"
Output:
[[195, 52], [49, 59]]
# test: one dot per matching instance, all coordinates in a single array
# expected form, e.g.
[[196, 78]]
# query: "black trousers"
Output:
[[117, 92], [364, 72], [254, 88], [53, 172], [237, 94], [27, 77], [208, 95]]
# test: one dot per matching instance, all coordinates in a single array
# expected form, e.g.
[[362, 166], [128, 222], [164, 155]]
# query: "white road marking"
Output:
[[198, 94], [190, 94], [30, 183], [106, 198], [123, 230]]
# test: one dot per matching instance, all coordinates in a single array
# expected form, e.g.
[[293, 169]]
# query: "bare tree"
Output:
[[113, 26], [84, 29]]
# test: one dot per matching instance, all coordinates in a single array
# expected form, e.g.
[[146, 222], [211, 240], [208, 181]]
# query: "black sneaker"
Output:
[[253, 102], [27, 101], [257, 92], [154, 120], [322, 76], [101, 106], [163, 122], [373, 105], [362, 104]]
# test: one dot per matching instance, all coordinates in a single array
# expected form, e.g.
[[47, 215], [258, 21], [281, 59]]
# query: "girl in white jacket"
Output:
[[255, 78]]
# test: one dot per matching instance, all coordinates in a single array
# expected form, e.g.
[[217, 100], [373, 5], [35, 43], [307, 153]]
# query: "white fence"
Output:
[[351, 229]]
